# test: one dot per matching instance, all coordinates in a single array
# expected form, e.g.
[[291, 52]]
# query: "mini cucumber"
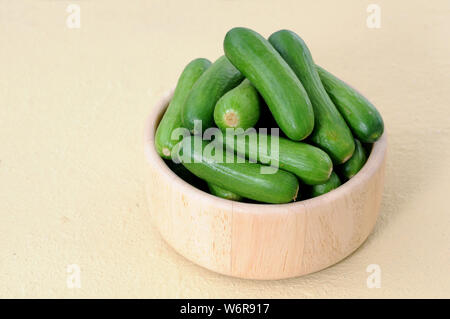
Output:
[[238, 108], [244, 179], [309, 163], [354, 164], [172, 117], [331, 133], [221, 77], [223, 193], [273, 78], [362, 117], [332, 183]]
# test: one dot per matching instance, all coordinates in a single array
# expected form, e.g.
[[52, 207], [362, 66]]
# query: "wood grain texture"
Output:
[[261, 241]]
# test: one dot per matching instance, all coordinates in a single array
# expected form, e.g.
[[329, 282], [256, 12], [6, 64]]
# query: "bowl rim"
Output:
[[372, 165]]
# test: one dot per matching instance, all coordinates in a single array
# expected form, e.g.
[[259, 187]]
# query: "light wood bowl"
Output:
[[262, 241]]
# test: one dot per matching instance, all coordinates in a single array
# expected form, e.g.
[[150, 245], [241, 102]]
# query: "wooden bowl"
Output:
[[262, 241]]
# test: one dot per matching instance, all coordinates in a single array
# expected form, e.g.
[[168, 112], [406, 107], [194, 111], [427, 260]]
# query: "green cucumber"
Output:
[[331, 133], [238, 108], [172, 117], [354, 164], [332, 183], [242, 178], [362, 117], [273, 78], [309, 163], [223, 193], [220, 77]]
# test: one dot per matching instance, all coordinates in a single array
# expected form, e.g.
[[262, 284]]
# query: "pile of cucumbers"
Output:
[[326, 127]]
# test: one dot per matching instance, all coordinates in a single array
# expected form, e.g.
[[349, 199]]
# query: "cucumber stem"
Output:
[[231, 119], [166, 151]]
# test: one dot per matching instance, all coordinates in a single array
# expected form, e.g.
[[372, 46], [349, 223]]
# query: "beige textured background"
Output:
[[72, 109]]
